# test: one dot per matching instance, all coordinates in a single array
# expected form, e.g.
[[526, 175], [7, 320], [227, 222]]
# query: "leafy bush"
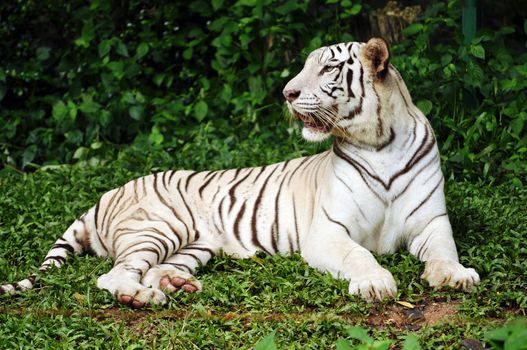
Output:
[[475, 95], [78, 79], [147, 72]]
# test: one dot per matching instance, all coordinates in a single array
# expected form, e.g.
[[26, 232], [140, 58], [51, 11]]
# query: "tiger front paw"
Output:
[[171, 279], [376, 285], [450, 273]]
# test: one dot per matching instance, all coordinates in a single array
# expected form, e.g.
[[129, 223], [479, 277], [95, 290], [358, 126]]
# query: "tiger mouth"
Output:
[[313, 123]]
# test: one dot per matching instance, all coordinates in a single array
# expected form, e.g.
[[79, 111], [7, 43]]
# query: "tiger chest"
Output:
[[367, 209]]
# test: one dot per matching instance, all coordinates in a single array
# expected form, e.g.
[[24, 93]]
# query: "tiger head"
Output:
[[345, 90]]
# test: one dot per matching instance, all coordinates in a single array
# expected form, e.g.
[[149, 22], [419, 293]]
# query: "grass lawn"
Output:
[[243, 301]]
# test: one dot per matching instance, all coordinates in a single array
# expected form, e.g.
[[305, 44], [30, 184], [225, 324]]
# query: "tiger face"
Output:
[[335, 93]]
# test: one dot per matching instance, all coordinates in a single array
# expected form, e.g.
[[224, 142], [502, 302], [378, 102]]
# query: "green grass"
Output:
[[245, 300]]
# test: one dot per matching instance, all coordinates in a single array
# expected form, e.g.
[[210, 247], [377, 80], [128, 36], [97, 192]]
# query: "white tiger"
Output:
[[378, 188]]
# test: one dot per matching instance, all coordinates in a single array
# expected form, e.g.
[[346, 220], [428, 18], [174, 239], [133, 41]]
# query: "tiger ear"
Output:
[[377, 53]]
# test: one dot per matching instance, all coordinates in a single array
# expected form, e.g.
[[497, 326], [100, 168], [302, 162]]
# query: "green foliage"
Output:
[[475, 95], [148, 73], [86, 78], [358, 333], [512, 336]]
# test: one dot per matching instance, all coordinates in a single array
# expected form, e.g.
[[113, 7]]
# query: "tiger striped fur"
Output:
[[378, 188]]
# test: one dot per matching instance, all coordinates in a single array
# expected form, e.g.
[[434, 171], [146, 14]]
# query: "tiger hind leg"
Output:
[[123, 280], [176, 272]]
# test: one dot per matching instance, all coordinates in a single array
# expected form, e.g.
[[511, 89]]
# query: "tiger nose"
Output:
[[291, 95]]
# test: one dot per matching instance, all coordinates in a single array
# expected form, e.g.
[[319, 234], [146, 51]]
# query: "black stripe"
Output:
[[236, 227], [430, 162], [172, 173], [165, 184], [188, 254], [424, 200], [190, 178], [336, 222], [356, 165], [179, 266], [200, 190], [327, 92], [361, 81], [306, 161], [136, 195], [58, 258], [255, 239], [147, 263], [236, 172], [296, 224], [418, 255], [97, 212], [356, 111], [196, 236], [390, 140], [202, 249], [65, 246], [164, 202], [110, 209], [122, 258], [262, 169], [233, 188], [284, 165], [432, 219], [137, 243], [349, 78], [276, 224]]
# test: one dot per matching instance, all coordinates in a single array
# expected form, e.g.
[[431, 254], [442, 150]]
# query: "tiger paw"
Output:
[[129, 292], [450, 273], [171, 279], [374, 285], [141, 298]]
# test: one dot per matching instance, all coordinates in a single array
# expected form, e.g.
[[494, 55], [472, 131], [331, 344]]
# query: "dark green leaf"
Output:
[[477, 51], [142, 50], [359, 334], [29, 155], [343, 345], [60, 111], [121, 49], [425, 106], [216, 4], [187, 54], [88, 34], [136, 112], [200, 110], [104, 47], [411, 343], [43, 53], [3, 90], [413, 29], [81, 153], [355, 9], [89, 106], [267, 343]]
